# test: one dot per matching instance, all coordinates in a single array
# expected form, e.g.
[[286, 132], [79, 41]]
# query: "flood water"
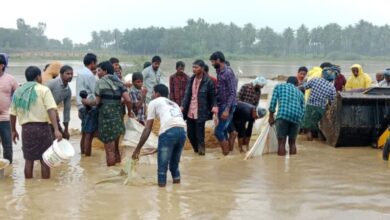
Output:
[[242, 68], [320, 182]]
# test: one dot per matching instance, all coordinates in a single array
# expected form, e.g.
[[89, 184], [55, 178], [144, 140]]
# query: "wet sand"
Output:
[[321, 182]]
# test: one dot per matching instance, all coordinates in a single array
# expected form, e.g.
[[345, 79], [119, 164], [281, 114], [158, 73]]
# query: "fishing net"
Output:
[[267, 141]]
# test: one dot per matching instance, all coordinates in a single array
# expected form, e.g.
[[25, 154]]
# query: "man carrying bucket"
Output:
[[34, 106]]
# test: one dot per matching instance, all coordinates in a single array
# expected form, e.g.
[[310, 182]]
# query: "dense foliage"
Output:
[[199, 37]]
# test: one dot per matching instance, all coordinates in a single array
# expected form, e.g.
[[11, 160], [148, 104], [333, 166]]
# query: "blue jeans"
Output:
[[221, 131], [170, 146], [6, 139]]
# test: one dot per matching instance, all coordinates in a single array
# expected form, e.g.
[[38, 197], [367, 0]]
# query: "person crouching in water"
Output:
[[291, 109], [35, 108], [172, 134], [198, 106], [108, 92], [242, 124]]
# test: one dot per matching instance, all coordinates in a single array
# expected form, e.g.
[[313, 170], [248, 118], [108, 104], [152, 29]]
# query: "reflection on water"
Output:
[[320, 182]]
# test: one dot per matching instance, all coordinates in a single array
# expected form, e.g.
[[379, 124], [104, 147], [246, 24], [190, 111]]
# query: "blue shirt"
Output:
[[290, 101], [322, 92]]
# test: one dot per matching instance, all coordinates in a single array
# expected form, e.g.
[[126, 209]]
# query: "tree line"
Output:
[[198, 37]]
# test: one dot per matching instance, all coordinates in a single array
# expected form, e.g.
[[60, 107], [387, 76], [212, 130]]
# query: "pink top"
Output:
[[193, 110], [8, 85]]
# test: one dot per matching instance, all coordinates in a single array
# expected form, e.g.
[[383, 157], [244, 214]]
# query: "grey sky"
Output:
[[76, 19]]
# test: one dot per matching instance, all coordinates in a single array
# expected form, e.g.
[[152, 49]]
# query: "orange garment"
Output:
[[52, 71]]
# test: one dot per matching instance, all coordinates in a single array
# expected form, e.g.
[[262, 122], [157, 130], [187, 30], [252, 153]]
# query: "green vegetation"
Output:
[[199, 38]]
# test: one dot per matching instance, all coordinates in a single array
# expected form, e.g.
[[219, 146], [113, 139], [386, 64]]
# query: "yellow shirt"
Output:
[[38, 111]]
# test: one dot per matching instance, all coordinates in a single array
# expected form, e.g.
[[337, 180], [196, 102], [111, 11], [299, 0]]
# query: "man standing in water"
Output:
[[86, 81], [322, 94], [172, 135], [226, 98], [8, 85], [198, 106], [177, 83], [152, 77], [34, 106], [60, 89], [291, 107]]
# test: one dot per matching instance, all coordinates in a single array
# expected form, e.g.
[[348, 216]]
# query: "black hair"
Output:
[[325, 64], [46, 66], [302, 68], [206, 68], [147, 64], [137, 76], [89, 58], [199, 63], [156, 59], [120, 67], [218, 55], [106, 66], [114, 60], [227, 63], [31, 73], [180, 64], [65, 68], [162, 90], [3, 61], [293, 80]]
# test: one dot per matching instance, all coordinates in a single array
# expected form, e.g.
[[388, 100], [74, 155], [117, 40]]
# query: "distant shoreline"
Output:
[[78, 55]]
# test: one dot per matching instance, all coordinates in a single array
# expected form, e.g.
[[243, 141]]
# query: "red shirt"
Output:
[[177, 87], [339, 82]]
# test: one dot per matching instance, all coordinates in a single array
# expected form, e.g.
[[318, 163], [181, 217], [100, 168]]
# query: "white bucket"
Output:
[[58, 153]]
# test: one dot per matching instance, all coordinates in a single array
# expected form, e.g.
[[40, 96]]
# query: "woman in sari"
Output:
[[109, 93]]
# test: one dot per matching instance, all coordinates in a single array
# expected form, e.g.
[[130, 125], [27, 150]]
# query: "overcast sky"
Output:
[[76, 19]]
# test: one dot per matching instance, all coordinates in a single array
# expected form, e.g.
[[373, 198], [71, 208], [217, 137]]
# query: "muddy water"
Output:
[[320, 182]]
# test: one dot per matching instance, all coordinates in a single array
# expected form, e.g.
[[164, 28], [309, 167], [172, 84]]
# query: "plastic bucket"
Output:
[[58, 153]]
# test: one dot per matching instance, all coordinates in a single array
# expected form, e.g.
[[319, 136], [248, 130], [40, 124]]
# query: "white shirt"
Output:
[[383, 83], [151, 78], [168, 112], [86, 80]]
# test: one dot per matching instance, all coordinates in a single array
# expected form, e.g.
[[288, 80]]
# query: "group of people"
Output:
[[304, 98], [104, 97]]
